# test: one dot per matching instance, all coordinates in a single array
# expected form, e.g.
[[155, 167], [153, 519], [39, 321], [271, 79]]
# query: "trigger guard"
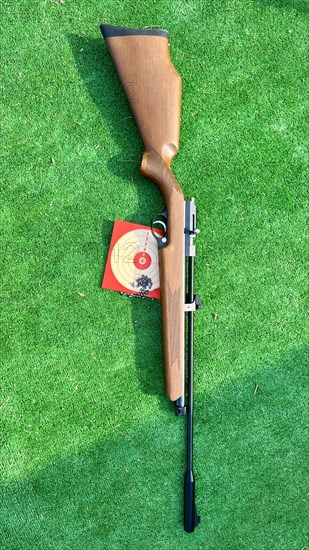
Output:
[[160, 222]]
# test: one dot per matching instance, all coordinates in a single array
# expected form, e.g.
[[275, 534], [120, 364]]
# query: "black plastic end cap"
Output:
[[109, 31]]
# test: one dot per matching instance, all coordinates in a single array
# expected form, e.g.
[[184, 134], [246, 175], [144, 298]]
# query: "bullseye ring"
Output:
[[142, 260]]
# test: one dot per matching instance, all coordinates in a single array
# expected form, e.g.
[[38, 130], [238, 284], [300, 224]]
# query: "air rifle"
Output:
[[153, 89]]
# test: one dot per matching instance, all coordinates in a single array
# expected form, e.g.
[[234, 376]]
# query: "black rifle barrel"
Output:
[[191, 519]]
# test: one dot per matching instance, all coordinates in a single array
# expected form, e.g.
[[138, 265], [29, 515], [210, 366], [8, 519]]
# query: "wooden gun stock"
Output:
[[153, 88]]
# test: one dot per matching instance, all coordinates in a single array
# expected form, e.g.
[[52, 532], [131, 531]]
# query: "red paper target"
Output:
[[133, 264]]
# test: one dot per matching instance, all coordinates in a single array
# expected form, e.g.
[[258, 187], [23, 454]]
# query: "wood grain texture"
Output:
[[153, 88]]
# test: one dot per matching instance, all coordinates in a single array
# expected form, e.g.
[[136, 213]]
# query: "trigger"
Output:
[[160, 224]]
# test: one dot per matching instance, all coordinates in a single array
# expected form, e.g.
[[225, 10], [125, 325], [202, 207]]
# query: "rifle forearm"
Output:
[[172, 275]]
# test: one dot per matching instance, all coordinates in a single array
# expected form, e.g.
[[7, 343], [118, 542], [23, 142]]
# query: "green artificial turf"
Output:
[[92, 457]]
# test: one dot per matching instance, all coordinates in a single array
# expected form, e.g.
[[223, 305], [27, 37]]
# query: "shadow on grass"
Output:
[[296, 5], [126, 491], [97, 72]]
